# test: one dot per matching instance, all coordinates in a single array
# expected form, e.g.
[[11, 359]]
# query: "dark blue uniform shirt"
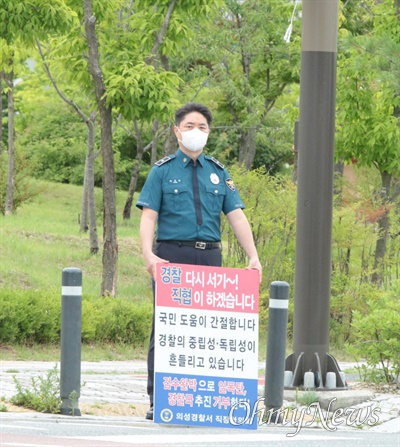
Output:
[[189, 210]]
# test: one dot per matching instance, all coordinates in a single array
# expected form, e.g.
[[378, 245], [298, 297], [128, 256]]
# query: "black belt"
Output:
[[201, 245]]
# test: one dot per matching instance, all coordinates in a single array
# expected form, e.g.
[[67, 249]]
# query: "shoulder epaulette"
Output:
[[218, 163], [164, 160]]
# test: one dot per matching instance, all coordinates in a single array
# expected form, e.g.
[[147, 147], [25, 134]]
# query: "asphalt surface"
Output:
[[114, 401]]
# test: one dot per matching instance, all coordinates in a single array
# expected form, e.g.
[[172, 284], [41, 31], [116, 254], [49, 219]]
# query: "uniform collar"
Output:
[[185, 159]]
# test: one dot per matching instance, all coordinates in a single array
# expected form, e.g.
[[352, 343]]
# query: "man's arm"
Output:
[[147, 228], [241, 227]]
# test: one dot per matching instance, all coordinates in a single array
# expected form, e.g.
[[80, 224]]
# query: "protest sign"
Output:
[[206, 345]]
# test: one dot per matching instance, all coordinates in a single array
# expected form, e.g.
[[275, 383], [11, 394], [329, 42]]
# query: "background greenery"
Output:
[[43, 237], [230, 55]]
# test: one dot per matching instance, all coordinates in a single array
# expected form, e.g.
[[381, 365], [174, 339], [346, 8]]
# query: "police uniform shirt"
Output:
[[189, 210]]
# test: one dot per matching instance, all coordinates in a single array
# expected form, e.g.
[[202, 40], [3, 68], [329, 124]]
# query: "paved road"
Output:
[[122, 383], [49, 430]]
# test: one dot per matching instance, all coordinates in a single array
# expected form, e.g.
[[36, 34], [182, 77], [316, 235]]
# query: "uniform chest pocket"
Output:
[[176, 196], [215, 197]]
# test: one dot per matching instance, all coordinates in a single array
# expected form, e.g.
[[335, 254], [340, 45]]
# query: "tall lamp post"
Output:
[[315, 196]]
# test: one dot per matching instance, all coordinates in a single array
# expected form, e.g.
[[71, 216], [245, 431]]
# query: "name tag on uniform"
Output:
[[214, 178]]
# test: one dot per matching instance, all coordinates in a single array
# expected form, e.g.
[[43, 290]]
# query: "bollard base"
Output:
[[69, 412], [273, 415], [69, 408], [300, 373]]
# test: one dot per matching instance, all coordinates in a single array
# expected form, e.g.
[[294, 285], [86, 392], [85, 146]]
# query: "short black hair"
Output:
[[193, 107]]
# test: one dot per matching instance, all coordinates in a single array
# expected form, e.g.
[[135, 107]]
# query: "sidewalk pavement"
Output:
[[118, 389]]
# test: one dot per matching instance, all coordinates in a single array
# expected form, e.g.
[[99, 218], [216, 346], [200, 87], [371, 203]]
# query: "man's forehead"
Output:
[[194, 118]]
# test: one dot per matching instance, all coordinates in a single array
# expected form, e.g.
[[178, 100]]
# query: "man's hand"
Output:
[[151, 262], [254, 264]]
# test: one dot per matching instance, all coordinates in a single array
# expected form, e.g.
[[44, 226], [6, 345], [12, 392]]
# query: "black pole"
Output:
[[276, 347], [315, 193], [71, 328]]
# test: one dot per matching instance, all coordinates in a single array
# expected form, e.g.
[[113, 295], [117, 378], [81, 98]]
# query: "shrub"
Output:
[[29, 316], [120, 321], [307, 398], [43, 396], [376, 337]]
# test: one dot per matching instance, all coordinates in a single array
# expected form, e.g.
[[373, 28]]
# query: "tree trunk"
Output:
[[295, 152], [88, 200], [135, 172], [338, 170], [295, 166], [154, 142], [383, 230], [170, 143], [93, 238], [247, 148], [110, 246], [83, 221], [9, 205], [164, 28], [132, 185]]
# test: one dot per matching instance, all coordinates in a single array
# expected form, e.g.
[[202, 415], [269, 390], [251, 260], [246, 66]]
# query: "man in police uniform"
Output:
[[184, 196]]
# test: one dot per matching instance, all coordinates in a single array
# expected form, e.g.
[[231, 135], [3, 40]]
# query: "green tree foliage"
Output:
[[23, 22], [33, 19], [136, 90], [241, 65], [376, 337], [127, 36], [49, 134], [356, 17], [369, 112], [368, 131], [54, 142]]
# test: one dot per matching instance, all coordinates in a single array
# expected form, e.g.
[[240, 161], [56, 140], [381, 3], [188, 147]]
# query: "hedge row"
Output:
[[28, 316]]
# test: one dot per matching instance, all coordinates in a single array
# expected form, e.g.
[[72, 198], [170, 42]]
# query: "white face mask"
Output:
[[194, 140]]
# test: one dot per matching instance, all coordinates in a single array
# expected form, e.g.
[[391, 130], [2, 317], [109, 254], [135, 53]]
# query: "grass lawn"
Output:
[[43, 238]]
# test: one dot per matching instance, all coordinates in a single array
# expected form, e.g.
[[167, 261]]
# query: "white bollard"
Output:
[[309, 380], [330, 380], [288, 379]]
